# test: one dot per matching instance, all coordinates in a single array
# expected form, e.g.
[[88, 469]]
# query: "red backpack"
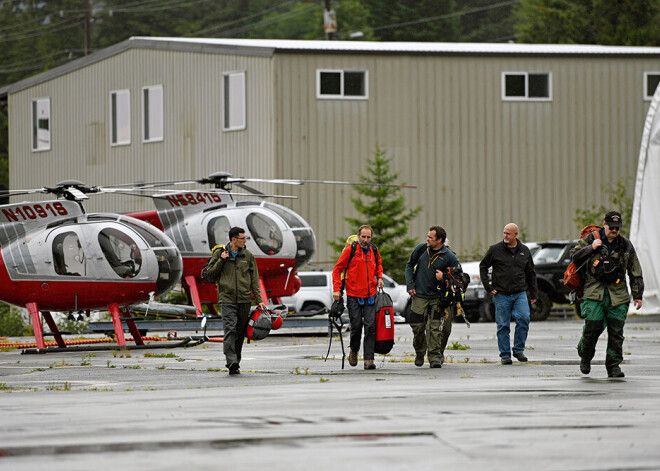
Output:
[[573, 273]]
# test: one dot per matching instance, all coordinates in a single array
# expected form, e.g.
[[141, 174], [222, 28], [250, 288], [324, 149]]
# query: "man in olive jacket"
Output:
[[234, 269], [608, 258]]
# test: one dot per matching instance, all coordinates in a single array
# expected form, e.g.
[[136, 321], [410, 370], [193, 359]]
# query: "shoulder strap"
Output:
[[350, 257], [376, 254]]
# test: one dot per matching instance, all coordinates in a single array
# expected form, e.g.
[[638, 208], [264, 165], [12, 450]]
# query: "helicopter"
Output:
[[56, 257], [197, 220]]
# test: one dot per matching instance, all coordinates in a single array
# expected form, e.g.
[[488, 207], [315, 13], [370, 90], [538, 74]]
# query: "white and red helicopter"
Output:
[[198, 220], [56, 257]]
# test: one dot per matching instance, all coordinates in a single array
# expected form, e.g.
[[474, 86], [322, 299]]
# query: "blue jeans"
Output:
[[507, 306]]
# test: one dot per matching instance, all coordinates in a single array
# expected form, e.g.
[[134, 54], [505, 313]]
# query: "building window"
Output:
[[120, 117], [152, 113], [345, 84], [526, 86], [651, 81], [41, 124], [234, 101]]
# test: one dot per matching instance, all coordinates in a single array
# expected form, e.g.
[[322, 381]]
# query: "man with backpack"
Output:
[[234, 269], [424, 272], [362, 267], [608, 256]]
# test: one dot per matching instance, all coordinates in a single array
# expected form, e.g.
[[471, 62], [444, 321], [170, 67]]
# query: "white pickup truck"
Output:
[[316, 293]]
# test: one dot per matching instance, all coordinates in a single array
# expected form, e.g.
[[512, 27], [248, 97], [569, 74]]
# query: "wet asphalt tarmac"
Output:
[[291, 410]]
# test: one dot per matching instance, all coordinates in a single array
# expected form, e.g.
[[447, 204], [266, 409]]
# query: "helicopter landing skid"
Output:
[[186, 342]]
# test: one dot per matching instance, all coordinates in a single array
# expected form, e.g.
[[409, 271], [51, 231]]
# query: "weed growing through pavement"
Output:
[[110, 365], [161, 355], [324, 380], [457, 346], [65, 387], [299, 371]]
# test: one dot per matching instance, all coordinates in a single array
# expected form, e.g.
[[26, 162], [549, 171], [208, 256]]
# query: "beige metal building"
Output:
[[489, 133]]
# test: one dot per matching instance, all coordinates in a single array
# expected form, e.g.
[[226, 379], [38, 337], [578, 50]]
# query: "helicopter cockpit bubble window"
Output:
[[265, 233], [285, 213], [121, 251], [218, 231], [68, 255], [147, 233]]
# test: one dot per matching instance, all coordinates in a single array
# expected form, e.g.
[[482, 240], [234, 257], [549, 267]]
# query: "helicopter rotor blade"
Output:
[[22, 192], [153, 192]]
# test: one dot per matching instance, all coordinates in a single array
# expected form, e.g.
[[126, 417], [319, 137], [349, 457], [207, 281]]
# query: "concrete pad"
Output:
[[289, 409]]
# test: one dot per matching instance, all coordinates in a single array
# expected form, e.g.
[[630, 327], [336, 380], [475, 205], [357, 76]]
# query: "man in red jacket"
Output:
[[362, 270]]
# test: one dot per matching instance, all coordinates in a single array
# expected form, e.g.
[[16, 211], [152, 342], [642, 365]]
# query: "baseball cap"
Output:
[[613, 219]]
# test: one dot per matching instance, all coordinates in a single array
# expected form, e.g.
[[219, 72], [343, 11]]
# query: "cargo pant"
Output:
[[362, 315], [427, 336], [234, 321], [597, 316]]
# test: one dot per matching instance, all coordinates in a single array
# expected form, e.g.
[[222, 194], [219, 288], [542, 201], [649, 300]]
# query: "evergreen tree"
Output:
[[386, 212], [413, 20], [611, 22]]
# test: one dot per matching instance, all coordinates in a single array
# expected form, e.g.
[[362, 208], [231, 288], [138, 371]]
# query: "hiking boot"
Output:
[[352, 358], [585, 366], [436, 364], [615, 373], [419, 360], [507, 361], [520, 356], [234, 369], [369, 365]]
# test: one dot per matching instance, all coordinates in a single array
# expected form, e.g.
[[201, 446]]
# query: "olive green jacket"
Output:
[[595, 289], [237, 278]]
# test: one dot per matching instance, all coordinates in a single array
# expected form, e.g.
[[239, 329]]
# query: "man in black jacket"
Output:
[[513, 275]]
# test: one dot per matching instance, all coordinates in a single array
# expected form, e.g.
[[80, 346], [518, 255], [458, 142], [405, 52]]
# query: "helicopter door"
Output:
[[218, 231], [68, 255], [121, 252], [265, 233]]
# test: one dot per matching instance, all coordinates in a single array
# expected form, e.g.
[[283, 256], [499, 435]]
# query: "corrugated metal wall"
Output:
[[194, 144], [478, 162]]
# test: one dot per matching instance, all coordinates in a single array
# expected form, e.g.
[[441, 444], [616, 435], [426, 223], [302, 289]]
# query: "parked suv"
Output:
[[550, 262], [315, 293]]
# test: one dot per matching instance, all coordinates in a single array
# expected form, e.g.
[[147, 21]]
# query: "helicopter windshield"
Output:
[[265, 233], [289, 216], [68, 255], [218, 231], [121, 251]]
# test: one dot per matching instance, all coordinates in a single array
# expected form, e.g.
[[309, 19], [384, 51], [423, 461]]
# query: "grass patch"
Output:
[[457, 346], [161, 355]]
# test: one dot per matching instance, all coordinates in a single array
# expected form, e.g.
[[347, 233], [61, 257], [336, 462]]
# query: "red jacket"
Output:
[[362, 274]]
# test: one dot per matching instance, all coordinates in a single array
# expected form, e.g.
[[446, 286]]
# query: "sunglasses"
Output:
[[614, 228]]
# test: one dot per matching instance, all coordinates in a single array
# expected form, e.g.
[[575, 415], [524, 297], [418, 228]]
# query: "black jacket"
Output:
[[420, 270], [512, 272]]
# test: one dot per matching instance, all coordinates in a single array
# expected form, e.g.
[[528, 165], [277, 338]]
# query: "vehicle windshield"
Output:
[[548, 254]]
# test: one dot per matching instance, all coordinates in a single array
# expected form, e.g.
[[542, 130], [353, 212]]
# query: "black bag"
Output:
[[609, 270], [337, 308]]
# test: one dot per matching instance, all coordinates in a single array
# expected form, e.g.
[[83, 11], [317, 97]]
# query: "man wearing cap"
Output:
[[513, 276], [606, 296]]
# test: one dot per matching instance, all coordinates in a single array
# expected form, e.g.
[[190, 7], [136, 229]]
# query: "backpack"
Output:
[[384, 323], [573, 276], [259, 324]]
